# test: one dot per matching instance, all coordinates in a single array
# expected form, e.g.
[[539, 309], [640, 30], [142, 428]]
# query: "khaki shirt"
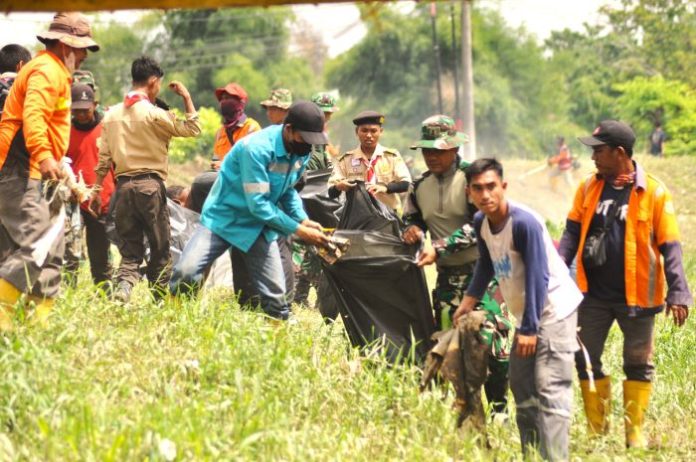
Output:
[[390, 168], [136, 139]]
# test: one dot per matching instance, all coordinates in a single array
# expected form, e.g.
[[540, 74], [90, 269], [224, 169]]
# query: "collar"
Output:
[[379, 151], [280, 150], [58, 61], [641, 177]]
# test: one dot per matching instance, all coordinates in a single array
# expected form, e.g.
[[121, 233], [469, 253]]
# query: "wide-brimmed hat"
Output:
[[72, 29], [280, 98], [439, 132]]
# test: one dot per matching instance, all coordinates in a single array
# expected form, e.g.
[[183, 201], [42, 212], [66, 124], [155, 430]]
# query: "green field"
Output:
[[208, 381]]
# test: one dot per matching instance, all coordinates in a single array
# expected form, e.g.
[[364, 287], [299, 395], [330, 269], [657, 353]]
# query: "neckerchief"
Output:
[[133, 97]]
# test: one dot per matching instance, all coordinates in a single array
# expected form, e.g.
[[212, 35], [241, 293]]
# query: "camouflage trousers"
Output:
[[73, 242], [449, 291], [307, 272]]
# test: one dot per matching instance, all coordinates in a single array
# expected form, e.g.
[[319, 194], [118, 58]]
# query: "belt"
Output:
[[124, 179]]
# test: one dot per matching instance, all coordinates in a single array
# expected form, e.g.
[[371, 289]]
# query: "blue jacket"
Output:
[[254, 192]]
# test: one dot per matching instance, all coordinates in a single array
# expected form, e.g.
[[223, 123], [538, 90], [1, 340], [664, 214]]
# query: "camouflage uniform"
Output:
[[307, 264], [438, 204]]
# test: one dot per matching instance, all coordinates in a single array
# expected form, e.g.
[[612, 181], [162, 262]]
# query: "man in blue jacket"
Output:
[[252, 202]]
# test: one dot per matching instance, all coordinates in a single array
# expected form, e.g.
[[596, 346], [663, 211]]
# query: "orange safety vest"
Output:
[[39, 106], [222, 141], [650, 222]]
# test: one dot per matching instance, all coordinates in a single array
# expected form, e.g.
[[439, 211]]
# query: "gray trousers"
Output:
[[596, 317], [542, 387], [25, 222]]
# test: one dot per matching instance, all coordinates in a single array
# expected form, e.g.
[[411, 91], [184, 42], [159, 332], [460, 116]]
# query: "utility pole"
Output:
[[436, 51], [455, 67], [468, 82]]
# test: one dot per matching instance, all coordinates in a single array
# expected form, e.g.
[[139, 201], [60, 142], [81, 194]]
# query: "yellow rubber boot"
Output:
[[42, 310], [9, 295], [597, 404], [636, 398]]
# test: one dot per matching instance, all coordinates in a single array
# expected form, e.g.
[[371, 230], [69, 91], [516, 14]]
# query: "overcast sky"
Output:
[[340, 23]]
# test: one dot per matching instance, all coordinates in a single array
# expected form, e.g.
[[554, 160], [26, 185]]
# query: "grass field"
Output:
[[208, 381]]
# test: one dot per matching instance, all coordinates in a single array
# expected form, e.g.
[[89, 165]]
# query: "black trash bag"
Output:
[[364, 212], [316, 201], [382, 295]]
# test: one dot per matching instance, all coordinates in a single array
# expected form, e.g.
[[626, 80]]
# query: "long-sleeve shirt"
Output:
[[254, 192], [533, 278], [136, 139], [39, 105], [650, 231]]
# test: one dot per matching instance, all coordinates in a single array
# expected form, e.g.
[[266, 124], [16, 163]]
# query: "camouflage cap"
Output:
[[440, 132], [326, 101], [85, 77], [280, 97]]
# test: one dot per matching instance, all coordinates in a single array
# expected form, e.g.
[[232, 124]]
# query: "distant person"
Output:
[[632, 213], [135, 141], [236, 124], [252, 203], [34, 136], [277, 105], [515, 247], [83, 151], [657, 140], [561, 165], [12, 58], [382, 169]]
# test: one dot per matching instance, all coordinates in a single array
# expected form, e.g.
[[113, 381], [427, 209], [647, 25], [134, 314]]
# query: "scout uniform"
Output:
[[439, 204], [35, 127], [385, 166]]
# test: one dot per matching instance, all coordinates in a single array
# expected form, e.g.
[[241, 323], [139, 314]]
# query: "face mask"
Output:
[[232, 110], [299, 148]]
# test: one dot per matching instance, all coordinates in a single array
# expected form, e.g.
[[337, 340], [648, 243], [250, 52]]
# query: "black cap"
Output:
[[308, 119], [369, 118], [82, 96], [611, 132]]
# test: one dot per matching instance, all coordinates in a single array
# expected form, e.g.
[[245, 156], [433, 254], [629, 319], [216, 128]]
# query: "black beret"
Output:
[[369, 118]]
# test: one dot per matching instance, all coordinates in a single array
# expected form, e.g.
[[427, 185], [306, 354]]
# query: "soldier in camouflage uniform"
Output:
[[438, 204], [382, 169], [308, 265], [277, 105]]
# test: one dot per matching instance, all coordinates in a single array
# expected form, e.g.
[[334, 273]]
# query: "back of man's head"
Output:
[[480, 166], [143, 68], [11, 56]]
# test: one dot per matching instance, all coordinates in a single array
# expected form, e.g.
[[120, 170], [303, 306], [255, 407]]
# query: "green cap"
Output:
[[440, 132], [325, 101], [280, 97], [85, 77]]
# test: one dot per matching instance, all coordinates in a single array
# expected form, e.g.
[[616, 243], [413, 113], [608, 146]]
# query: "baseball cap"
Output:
[[82, 96], [439, 132], [72, 29], [369, 118], [233, 89], [611, 132], [326, 101], [280, 98], [308, 119]]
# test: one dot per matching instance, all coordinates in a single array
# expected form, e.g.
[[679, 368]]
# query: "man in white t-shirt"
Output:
[[515, 247]]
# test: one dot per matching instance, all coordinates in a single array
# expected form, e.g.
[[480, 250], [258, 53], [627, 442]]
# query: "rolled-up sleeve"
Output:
[[168, 124], [104, 160]]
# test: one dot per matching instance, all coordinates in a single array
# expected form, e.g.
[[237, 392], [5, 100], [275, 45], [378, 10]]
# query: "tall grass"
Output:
[[204, 380]]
